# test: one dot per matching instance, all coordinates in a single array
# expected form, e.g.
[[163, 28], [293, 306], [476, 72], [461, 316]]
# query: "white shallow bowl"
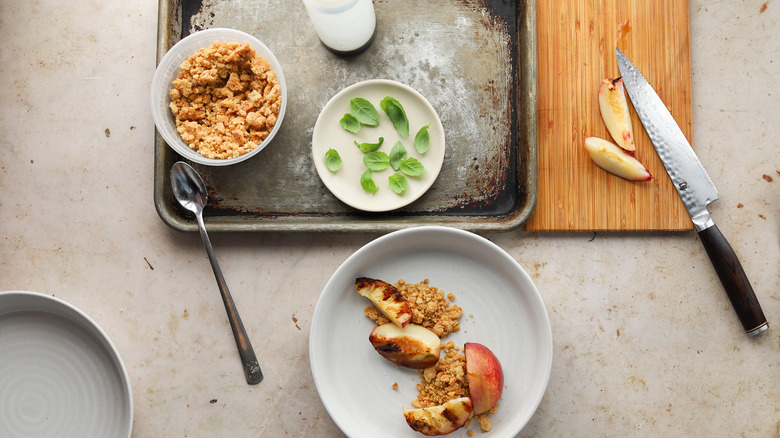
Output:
[[502, 309], [168, 69], [60, 375], [328, 133]]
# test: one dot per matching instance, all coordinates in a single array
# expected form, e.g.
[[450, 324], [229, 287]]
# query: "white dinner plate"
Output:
[[502, 309], [60, 375], [345, 183]]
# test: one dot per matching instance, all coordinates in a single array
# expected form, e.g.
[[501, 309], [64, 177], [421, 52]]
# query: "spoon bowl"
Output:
[[190, 191], [188, 187]]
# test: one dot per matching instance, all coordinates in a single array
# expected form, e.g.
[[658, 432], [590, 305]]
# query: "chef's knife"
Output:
[[696, 191]]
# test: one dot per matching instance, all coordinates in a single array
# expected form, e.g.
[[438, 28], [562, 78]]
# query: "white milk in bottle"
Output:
[[345, 27]]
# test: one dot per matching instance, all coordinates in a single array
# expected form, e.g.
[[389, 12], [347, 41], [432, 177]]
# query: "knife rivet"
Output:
[[683, 185]]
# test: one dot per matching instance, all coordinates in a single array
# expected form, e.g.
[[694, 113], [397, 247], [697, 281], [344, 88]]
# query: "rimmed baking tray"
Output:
[[475, 62]]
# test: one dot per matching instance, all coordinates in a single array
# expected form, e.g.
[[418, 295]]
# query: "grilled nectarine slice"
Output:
[[413, 346], [386, 299], [439, 420]]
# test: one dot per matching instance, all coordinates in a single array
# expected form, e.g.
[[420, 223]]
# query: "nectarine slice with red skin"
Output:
[[485, 377], [615, 160]]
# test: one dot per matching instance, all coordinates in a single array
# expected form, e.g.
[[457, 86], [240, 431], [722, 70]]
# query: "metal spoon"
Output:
[[190, 190]]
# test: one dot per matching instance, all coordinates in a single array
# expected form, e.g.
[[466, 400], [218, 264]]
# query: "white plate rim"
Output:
[[321, 323], [432, 160], [48, 304]]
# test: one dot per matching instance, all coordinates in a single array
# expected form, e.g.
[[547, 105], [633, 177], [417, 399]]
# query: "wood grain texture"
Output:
[[575, 48]]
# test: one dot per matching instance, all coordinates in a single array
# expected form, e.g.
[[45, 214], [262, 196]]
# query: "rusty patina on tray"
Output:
[[475, 62]]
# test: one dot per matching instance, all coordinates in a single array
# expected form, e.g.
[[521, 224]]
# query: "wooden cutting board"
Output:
[[575, 51]]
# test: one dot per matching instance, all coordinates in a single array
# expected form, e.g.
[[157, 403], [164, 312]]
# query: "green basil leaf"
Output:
[[383, 103], [370, 147], [395, 112], [367, 183], [332, 160], [398, 183], [397, 154], [364, 112], [376, 161], [350, 123], [397, 115], [412, 167], [422, 140]]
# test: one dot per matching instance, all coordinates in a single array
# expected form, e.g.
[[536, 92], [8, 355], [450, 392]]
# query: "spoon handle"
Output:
[[251, 367]]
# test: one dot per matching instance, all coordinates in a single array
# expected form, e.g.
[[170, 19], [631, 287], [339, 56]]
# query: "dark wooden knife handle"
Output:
[[734, 280]]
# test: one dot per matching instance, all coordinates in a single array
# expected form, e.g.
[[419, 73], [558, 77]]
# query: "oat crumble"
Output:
[[226, 100], [484, 420], [444, 381]]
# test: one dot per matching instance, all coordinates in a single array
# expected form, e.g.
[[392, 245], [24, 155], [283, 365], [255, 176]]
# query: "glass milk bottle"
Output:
[[345, 27]]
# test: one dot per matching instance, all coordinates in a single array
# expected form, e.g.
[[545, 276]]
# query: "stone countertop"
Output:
[[645, 340]]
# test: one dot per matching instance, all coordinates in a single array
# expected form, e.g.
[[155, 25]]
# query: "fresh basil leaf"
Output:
[[376, 161], [350, 123], [370, 147], [383, 103], [422, 140], [412, 167], [397, 154], [397, 115], [398, 183], [364, 111], [395, 112], [367, 183], [332, 160]]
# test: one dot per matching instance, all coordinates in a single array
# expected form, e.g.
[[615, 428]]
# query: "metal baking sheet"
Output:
[[475, 62]]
